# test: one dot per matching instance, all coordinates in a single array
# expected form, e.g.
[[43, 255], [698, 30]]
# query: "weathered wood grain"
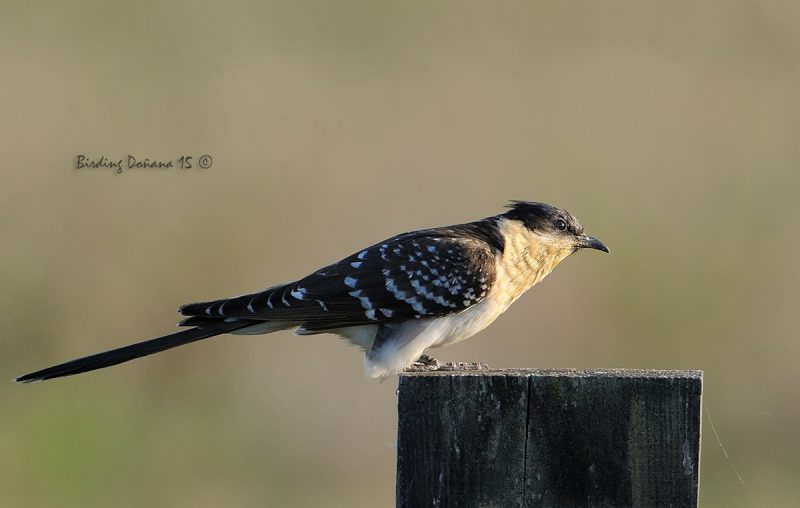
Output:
[[549, 438]]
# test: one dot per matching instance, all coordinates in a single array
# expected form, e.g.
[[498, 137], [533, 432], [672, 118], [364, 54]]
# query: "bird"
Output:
[[395, 299]]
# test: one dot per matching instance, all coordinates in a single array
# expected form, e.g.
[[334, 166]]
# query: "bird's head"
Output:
[[558, 228]]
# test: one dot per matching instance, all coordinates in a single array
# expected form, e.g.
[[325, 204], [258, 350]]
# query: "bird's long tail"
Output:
[[126, 353]]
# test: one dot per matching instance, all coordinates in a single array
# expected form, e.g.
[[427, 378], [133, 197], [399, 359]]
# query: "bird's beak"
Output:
[[590, 242]]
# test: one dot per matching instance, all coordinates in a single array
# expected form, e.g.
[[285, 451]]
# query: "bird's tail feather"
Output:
[[126, 353]]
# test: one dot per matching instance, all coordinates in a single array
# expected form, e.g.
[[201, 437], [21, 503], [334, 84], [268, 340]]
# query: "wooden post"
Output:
[[549, 438]]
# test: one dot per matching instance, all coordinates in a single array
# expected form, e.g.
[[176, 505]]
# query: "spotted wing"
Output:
[[424, 274]]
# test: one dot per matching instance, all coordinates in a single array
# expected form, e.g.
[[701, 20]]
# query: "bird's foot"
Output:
[[463, 366], [427, 363]]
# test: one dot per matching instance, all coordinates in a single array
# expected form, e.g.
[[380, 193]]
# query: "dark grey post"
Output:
[[549, 438]]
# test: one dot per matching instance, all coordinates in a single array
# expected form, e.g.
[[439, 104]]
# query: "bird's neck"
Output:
[[527, 258]]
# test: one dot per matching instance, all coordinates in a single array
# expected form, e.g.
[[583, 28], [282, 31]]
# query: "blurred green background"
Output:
[[672, 129]]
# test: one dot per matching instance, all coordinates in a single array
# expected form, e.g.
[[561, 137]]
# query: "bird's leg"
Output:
[[425, 363], [428, 360]]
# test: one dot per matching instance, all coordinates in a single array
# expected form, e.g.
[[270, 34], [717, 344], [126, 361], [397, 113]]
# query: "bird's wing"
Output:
[[423, 274]]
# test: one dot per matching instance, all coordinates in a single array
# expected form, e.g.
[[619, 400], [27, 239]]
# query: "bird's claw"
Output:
[[427, 363]]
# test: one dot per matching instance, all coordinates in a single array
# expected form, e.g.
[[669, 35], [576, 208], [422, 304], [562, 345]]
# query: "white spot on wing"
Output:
[[416, 304], [350, 282], [365, 301], [420, 289], [370, 314], [398, 293], [444, 302]]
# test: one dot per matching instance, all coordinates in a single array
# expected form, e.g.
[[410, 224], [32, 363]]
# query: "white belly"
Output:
[[411, 339], [464, 325]]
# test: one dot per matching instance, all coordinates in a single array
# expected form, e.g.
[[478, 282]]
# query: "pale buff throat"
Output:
[[528, 257]]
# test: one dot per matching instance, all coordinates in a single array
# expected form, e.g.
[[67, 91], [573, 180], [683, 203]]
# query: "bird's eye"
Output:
[[561, 225]]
